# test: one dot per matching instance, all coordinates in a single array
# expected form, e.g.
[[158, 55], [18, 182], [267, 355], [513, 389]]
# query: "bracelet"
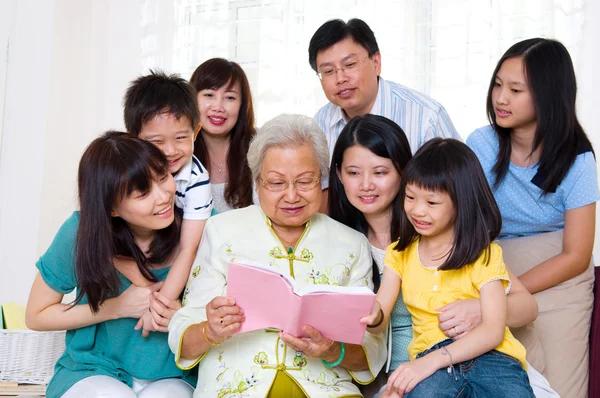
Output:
[[450, 368], [339, 360], [206, 337], [379, 322]]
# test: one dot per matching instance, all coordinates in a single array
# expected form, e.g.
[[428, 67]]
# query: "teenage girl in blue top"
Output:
[[542, 170], [126, 198]]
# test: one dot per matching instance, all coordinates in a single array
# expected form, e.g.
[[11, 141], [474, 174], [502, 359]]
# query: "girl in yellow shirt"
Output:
[[445, 253]]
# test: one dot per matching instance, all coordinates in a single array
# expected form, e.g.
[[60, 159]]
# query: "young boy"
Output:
[[162, 109]]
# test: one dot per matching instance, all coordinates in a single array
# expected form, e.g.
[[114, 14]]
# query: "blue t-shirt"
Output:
[[525, 210], [112, 348]]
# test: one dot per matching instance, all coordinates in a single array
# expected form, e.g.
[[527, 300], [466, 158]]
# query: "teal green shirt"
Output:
[[111, 348]]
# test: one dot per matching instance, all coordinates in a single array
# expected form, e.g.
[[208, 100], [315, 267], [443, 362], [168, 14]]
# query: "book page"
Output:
[[268, 268], [309, 289], [301, 291], [337, 315], [267, 298]]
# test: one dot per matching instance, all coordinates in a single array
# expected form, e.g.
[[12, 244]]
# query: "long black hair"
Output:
[[385, 139], [448, 165], [551, 80], [111, 168], [213, 74]]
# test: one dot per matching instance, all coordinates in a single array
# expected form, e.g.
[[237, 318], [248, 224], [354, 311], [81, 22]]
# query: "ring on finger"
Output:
[[455, 330]]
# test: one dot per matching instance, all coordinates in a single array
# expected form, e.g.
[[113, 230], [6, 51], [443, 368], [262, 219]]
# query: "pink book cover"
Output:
[[272, 300]]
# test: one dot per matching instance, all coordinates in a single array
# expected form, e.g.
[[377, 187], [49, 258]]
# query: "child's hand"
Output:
[[408, 375], [393, 394], [162, 310], [145, 323], [371, 319]]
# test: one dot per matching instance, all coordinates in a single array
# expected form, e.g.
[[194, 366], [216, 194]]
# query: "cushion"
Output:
[[563, 323]]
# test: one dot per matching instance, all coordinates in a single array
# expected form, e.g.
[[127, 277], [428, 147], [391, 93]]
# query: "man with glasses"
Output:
[[347, 60]]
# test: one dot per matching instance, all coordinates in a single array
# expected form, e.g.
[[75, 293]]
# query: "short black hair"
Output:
[[336, 30], [448, 165], [155, 94]]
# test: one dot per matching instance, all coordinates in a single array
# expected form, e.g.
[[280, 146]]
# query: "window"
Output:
[[445, 48]]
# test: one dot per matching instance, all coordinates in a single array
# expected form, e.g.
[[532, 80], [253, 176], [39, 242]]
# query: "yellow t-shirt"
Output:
[[426, 289]]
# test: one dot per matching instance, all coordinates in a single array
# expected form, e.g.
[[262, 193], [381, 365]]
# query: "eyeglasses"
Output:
[[302, 184], [351, 66]]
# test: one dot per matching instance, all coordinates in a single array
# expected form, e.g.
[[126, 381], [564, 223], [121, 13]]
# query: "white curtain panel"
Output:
[[445, 48]]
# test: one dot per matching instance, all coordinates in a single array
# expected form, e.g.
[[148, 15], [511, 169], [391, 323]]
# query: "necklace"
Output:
[[379, 244], [219, 166], [288, 245]]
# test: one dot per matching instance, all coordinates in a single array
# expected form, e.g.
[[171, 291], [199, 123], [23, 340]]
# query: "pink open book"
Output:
[[271, 299]]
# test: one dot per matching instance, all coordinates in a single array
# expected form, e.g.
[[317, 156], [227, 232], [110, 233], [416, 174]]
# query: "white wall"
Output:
[[69, 63], [589, 88], [23, 138]]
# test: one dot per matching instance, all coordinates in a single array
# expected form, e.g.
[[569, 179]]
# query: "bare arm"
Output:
[[130, 270], [489, 334], [578, 242], [191, 233], [328, 350], [460, 317], [484, 338], [46, 312], [386, 299], [194, 343], [522, 308]]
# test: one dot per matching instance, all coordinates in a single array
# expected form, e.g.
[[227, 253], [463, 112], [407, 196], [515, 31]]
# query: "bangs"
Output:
[[217, 78], [371, 140], [139, 168], [216, 73], [424, 172]]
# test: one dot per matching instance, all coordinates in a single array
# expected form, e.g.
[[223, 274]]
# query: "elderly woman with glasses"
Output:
[[288, 158]]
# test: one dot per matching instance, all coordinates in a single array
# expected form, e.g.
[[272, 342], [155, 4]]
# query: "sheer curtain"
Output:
[[71, 61], [444, 48]]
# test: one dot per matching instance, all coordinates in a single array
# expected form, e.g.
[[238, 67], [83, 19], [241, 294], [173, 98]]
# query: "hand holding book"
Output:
[[271, 299]]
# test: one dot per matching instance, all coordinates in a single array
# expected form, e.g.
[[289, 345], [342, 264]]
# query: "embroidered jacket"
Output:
[[246, 364]]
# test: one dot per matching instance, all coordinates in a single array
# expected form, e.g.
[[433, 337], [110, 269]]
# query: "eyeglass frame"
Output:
[[343, 69], [315, 180]]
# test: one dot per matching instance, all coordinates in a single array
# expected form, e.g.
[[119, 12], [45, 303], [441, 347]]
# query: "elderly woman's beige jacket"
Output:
[[245, 365]]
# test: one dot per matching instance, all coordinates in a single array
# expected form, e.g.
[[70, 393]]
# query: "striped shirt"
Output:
[[420, 116], [193, 194]]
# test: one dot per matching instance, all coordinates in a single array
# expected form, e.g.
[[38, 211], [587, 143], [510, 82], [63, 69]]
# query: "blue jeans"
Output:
[[490, 375]]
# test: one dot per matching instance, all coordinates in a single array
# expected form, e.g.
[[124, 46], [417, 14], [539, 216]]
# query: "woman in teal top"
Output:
[[126, 198]]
